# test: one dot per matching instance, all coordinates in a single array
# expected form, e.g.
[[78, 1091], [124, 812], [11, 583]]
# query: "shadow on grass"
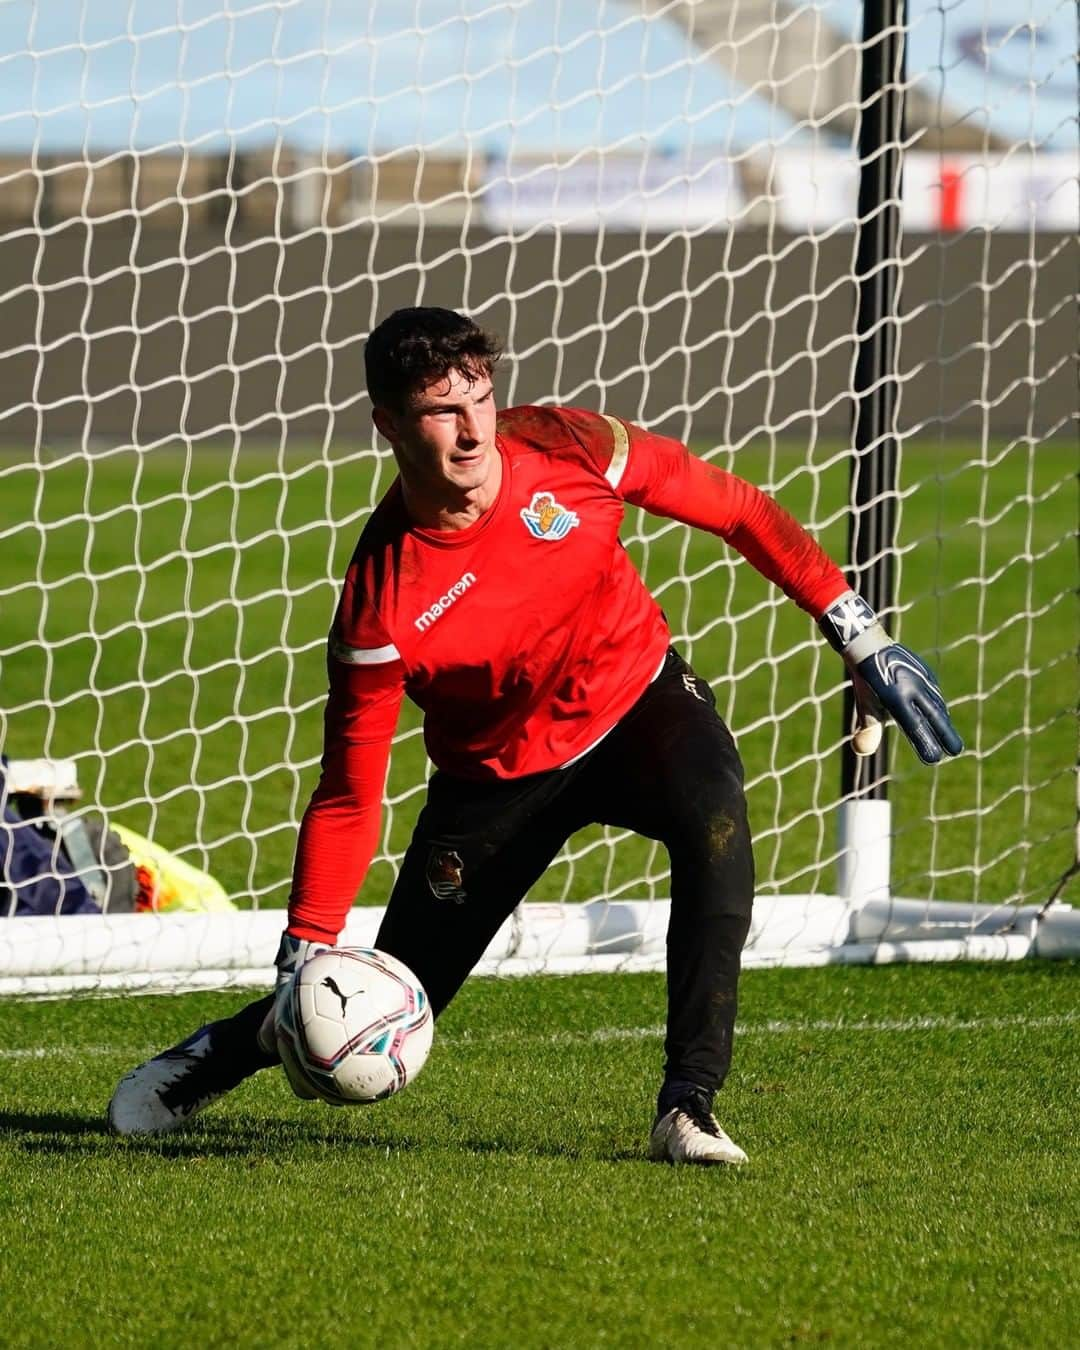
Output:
[[56, 1132], [71, 1132], [568, 1152], [69, 1124]]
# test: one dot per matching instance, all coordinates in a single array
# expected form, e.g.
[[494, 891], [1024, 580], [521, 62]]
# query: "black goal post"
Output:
[[872, 510]]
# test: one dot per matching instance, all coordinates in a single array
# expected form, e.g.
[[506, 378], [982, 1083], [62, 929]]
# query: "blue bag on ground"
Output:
[[36, 875]]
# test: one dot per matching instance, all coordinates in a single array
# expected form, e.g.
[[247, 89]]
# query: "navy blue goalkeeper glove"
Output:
[[291, 954], [889, 680]]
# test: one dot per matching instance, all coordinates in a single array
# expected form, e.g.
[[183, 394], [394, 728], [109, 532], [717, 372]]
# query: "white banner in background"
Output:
[[812, 190], [1016, 190], [619, 192]]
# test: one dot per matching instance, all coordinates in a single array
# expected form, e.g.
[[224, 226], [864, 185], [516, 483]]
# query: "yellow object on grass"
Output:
[[166, 882]]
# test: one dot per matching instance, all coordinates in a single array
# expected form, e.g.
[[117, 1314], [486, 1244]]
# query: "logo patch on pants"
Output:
[[446, 874], [690, 684]]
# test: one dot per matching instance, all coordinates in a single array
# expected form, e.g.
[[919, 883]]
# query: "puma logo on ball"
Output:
[[331, 984]]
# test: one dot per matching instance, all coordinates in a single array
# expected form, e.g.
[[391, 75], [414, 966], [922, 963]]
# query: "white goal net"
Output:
[[206, 205]]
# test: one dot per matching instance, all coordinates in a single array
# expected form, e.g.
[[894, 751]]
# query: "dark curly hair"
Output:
[[412, 347]]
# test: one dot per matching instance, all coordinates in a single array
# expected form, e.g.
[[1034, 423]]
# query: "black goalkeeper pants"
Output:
[[669, 771]]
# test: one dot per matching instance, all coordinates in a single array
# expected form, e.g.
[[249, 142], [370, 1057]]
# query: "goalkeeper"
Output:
[[490, 586]]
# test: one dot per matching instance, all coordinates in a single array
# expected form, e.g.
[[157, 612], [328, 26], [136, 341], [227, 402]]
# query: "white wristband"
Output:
[[872, 640], [852, 628]]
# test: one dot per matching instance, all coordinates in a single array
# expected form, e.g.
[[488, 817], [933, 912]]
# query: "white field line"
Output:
[[796, 1027]]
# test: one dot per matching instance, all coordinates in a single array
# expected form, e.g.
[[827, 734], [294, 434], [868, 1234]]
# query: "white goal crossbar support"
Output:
[[170, 953], [864, 861]]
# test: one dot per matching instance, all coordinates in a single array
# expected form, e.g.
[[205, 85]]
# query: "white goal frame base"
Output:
[[173, 953]]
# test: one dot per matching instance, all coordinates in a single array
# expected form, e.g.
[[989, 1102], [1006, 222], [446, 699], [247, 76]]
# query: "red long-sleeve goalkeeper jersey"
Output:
[[524, 637]]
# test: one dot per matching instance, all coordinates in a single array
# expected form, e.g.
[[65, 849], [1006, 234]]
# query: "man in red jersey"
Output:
[[490, 586]]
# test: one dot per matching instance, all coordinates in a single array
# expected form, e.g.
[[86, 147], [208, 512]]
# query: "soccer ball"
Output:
[[353, 1026]]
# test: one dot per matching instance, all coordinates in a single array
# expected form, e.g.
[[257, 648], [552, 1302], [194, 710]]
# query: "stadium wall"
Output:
[[113, 335]]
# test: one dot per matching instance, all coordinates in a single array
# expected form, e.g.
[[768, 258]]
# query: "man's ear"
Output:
[[385, 423]]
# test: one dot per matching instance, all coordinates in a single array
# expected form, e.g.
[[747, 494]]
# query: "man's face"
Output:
[[444, 439]]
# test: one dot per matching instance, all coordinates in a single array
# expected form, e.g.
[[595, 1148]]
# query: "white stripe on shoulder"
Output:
[[363, 656], [620, 452]]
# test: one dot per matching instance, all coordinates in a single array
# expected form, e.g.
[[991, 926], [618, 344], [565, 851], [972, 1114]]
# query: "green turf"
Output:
[[206, 734], [913, 1178]]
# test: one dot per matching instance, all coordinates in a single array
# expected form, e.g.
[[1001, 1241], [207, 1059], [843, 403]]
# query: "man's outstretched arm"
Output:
[[889, 680]]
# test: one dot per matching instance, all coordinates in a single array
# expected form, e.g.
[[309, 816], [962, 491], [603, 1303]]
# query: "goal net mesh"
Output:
[[205, 208]]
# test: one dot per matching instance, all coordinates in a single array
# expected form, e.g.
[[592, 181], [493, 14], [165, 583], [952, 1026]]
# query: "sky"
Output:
[[1005, 64], [363, 76], [367, 76]]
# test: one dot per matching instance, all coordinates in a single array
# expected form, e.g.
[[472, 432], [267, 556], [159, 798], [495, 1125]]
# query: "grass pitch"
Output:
[[913, 1177]]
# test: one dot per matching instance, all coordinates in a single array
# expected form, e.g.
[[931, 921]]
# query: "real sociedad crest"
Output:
[[446, 874], [545, 519]]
